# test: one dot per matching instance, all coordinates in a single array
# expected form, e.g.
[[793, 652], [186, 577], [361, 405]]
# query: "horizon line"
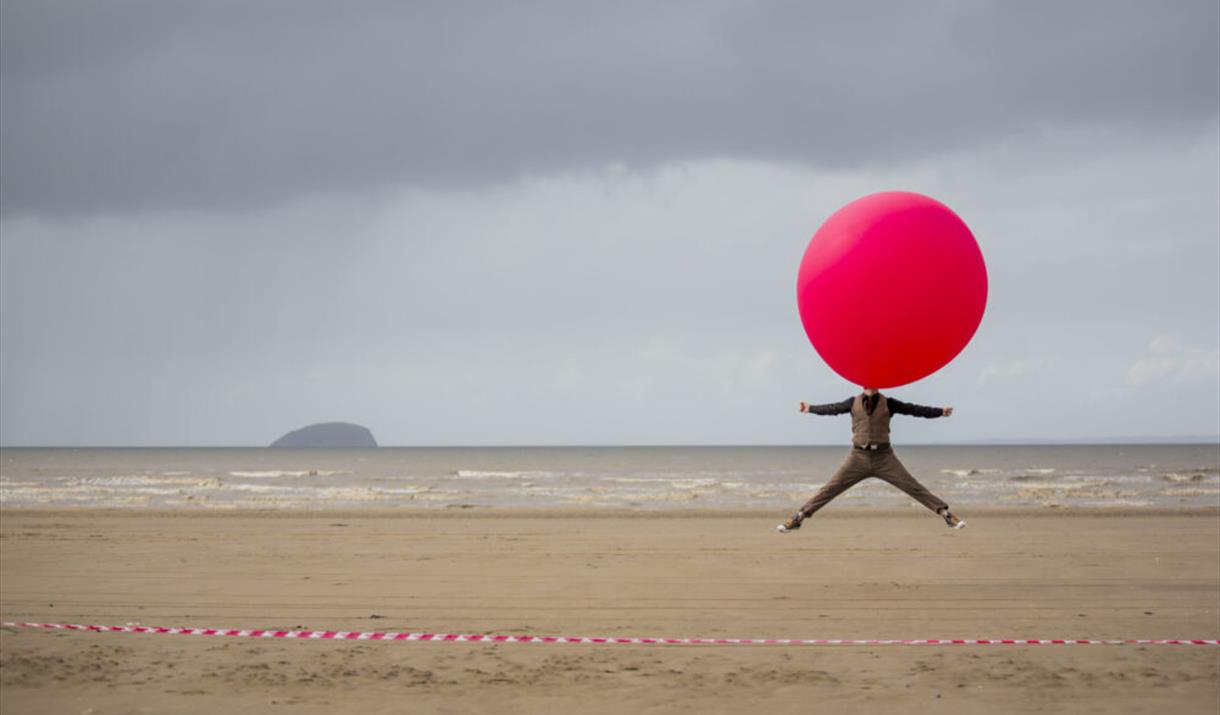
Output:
[[996, 442]]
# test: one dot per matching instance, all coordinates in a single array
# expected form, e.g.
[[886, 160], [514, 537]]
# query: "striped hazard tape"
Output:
[[481, 638]]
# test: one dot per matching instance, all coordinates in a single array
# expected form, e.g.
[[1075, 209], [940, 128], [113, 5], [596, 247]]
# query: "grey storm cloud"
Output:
[[579, 223], [120, 107]]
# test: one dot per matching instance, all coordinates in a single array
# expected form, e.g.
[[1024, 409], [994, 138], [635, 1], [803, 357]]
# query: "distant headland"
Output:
[[328, 435]]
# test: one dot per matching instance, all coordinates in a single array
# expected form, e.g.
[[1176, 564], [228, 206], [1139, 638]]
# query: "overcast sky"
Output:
[[467, 223]]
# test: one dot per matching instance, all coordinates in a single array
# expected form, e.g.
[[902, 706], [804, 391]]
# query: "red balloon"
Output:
[[891, 288]]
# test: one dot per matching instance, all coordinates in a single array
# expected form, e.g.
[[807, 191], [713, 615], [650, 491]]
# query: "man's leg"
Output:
[[891, 470], [854, 468], [849, 475]]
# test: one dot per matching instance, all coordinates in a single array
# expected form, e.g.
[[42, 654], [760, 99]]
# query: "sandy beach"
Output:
[[849, 574]]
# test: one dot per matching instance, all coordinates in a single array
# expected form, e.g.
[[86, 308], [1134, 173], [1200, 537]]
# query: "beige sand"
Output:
[[846, 575]]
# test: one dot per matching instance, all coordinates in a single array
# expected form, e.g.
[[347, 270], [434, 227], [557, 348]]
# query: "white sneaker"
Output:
[[791, 525]]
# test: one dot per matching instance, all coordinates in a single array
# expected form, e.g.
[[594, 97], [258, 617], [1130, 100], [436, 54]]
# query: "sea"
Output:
[[634, 478]]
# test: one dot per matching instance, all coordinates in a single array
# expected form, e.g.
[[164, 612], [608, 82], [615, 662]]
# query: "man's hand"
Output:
[[947, 411], [804, 407]]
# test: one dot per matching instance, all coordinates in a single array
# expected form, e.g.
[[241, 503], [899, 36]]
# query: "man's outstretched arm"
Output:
[[834, 408], [898, 407]]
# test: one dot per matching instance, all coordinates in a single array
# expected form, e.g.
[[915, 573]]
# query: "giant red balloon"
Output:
[[891, 288]]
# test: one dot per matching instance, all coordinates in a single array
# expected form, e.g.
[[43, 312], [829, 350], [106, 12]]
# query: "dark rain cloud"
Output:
[[120, 107]]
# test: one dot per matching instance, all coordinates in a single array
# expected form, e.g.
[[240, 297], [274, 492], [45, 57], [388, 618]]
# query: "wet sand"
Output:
[[847, 574]]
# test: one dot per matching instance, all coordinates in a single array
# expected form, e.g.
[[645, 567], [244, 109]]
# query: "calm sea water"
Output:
[[623, 477]]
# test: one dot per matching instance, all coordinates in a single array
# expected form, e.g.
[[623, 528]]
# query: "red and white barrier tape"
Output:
[[480, 638]]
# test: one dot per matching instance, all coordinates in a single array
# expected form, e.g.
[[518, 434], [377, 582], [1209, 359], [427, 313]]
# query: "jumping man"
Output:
[[871, 454]]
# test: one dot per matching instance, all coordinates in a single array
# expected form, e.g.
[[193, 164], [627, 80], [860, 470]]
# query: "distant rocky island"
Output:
[[328, 435]]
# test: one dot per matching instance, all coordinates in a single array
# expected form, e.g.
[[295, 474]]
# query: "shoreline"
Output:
[[493, 512], [670, 480]]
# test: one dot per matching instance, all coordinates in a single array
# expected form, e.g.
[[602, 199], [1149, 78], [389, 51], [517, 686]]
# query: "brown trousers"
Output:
[[862, 464]]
